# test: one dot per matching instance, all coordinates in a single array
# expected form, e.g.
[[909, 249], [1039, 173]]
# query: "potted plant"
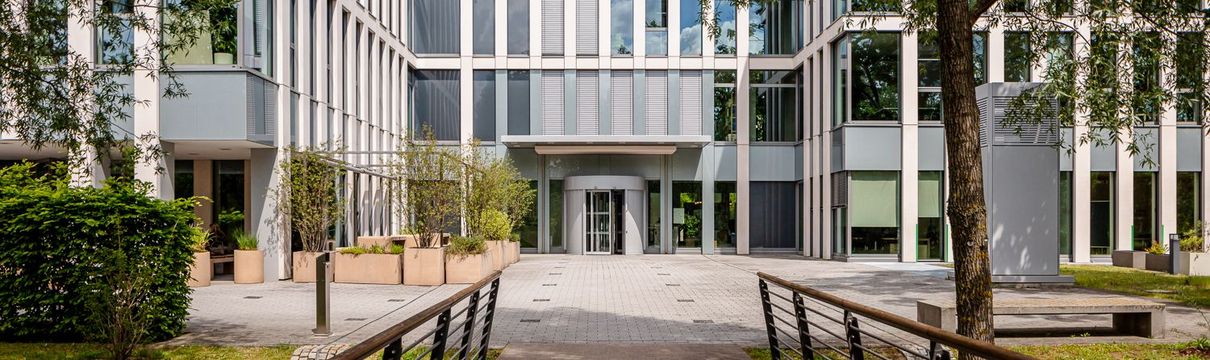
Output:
[[1157, 257], [201, 270], [249, 259], [433, 203], [372, 264], [223, 34], [495, 229], [1194, 257], [1130, 259], [468, 260], [313, 204], [498, 198]]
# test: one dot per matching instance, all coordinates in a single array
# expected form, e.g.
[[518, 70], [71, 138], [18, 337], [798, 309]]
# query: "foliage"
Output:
[[309, 190], [66, 249], [116, 318], [494, 224], [1157, 248], [392, 249], [246, 241], [1188, 290], [1193, 239], [462, 246], [433, 195], [231, 219], [495, 187], [52, 94], [92, 351], [199, 237], [223, 23]]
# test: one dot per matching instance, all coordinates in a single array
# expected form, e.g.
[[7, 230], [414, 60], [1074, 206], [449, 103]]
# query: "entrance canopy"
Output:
[[605, 144]]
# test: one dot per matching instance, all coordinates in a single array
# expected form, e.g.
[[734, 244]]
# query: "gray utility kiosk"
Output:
[[1021, 187]]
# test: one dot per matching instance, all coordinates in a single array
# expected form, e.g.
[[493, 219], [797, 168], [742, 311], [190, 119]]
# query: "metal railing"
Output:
[[470, 337], [825, 326]]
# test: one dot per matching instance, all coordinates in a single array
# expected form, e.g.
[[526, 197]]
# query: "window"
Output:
[[1188, 201], [518, 27], [929, 69], [528, 228], [485, 104], [621, 39], [840, 7], [725, 200], [687, 213], [222, 45], [653, 216], [1101, 220], [1015, 6], [115, 37], [724, 105], [840, 82], [1146, 61], [552, 27], [691, 27], [874, 212], [775, 27], [1103, 76], [435, 103], [1190, 63], [555, 209], [484, 19], [657, 27], [435, 27], [1065, 199], [930, 238], [875, 83], [776, 102], [1145, 226], [182, 179], [1017, 57], [774, 214], [724, 14]]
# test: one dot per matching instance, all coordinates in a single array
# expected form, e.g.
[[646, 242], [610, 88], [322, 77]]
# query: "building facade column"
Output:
[[910, 142]]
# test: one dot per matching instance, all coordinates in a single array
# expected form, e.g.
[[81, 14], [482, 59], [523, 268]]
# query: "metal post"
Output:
[[774, 349], [853, 335], [936, 352], [1174, 253], [442, 334], [393, 351], [323, 295], [804, 329], [489, 314], [468, 326]]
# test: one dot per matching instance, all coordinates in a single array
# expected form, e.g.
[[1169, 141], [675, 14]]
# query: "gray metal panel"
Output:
[[1023, 214], [1066, 155], [604, 106], [673, 115], [799, 152], [561, 166], [639, 122], [686, 164], [708, 102], [570, 101], [1148, 141], [217, 108], [1189, 149], [1103, 158], [772, 162], [872, 147], [725, 162], [931, 148]]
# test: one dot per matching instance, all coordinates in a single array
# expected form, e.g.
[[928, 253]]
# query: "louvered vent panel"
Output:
[[552, 103], [657, 103], [993, 111], [586, 103], [691, 103], [621, 91], [840, 189], [552, 27], [586, 27]]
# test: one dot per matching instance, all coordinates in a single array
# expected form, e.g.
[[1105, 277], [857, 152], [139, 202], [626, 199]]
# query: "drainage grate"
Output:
[[703, 321], [672, 284], [550, 284], [663, 274], [253, 297], [558, 267], [656, 267], [541, 300], [396, 300], [531, 320], [555, 274], [684, 300], [355, 319]]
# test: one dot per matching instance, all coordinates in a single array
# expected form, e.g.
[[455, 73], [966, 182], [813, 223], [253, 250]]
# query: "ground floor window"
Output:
[[528, 229], [228, 200], [725, 199], [1101, 212], [653, 214], [774, 215], [556, 213], [1145, 227], [182, 179], [687, 213], [930, 236], [839, 233], [874, 212], [1065, 213], [1188, 201]]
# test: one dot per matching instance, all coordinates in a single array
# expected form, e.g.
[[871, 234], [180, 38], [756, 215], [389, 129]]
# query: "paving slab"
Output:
[[611, 351]]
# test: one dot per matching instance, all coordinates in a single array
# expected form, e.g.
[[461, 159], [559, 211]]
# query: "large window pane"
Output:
[[435, 27], [518, 102], [1065, 209], [1190, 62], [775, 27], [928, 65], [621, 34], [1017, 64], [1188, 201], [725, 199], [875, 64], [518, 27], [555, 206], [930, 242], [687, 213], [435, 103], [657, 27], [1145, 226], [840, 82], [653, 215], [1146, 70], [485, 105], [528, 229], [1102, 209], [724, 14], [115, 37], [724, 105], [775, 105], [774, 215], [691, 27], [874, 212], [484, 19]]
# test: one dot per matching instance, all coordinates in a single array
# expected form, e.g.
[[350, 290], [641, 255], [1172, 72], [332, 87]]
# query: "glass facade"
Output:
[[874, 212], [621, 35], [1188, 202], [725, 200], [653, 216], [518, 27], [724, 105], [434, 27], [775, 106], [724, 15], [1017, 57], [691, 27], [775, 27], [555, 209], [1101, 214], [687, 214], [930, 238], [1065, 213], [518, 102], [484, 26], [1190, 61], [929, 73], [435, 103], [657, 27], [484, 90], [1145, 227], [528, 229], [874, 61]]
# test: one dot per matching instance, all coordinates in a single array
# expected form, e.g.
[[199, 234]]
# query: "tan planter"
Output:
[[368, 241], [424, 266], [1130, 259], [499, 250], [384, 269], [201, 270], [468, 269], [515, 256], [1197, 263], [304, 265], [249, 266]]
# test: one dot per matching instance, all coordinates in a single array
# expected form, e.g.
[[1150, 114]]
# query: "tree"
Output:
[[1118, 75], [433, 196], [312, 200], [53, 95], [493, 184]]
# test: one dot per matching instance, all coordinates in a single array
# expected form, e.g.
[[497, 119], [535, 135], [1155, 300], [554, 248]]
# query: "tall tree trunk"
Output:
[[966, 209]]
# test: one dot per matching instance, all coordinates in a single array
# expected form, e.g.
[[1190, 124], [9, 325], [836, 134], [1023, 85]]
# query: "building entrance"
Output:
[[605, 214]]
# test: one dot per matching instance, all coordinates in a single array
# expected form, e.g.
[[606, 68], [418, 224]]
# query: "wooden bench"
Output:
[[228, 262], [1130, 316]]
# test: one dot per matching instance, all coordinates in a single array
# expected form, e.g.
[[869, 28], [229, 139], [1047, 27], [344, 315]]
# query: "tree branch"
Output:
[[980, 8]]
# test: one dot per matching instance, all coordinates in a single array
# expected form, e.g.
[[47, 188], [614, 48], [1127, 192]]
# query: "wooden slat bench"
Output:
[[1130, 316]]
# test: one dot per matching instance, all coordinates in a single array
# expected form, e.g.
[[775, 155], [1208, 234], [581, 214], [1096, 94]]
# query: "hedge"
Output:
[[56, 242]]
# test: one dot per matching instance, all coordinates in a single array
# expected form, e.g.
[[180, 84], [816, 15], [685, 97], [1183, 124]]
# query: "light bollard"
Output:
[[1174, 253], [323, 293]]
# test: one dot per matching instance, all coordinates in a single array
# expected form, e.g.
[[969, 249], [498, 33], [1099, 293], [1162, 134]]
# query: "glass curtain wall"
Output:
[[1190, 62], [691, 27], [776, 105], [874, 87], [435, 27], [484, 88], [657, 27], [182, 178], [775, 27], [528, 229], [930, 237], [621, 38], [724, 15], [518, 27], [874, 212], [774, 215], [725, 200], [518, 102], [1188, 202], [724, 105], [1101, 219], [1065, 211], [1146, 205], [555, 207], [929, 70], [687, 213], [435, 103], [484, 27], [653, 216]]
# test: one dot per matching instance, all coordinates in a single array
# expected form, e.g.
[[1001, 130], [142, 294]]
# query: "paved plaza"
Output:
[[673, 299]]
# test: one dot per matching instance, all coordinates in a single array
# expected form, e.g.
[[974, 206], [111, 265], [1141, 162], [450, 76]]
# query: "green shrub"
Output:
[[59, 247], [392, 249], [466, 245], [1157, 248], [1192, 239], [495, 225], [514, 237], [353, 250], [396, 249], [245, 241], [198, 238]]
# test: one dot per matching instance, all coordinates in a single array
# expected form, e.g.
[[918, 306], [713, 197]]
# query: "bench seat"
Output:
[[1130, 316]]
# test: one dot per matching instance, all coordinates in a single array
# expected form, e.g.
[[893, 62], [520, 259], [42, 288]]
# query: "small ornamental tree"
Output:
[[313, 202], [433, 194], [494, 185]]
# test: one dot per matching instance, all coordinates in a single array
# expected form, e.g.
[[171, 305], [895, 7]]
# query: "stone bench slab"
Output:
[[1131, 316]]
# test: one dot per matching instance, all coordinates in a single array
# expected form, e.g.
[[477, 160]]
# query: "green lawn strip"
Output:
[[95, 351], [1075, 351], [1188, 290]]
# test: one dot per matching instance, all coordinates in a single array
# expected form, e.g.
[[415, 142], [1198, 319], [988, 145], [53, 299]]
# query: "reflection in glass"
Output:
[[528, 229], [775, 105], [518, 27], [555, 207], [691, 27], [725, 199], [930, 243], [1145, 226], [653, 215], [657, 27], [875, 64], [724, 13], [1101, 220], [1188, 201], [724, 105], [774, 27], [621, 35], [687, 213]]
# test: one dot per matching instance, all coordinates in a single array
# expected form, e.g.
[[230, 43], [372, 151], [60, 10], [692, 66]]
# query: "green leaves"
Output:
[[311, 196]]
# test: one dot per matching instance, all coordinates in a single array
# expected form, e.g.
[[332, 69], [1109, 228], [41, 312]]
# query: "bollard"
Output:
[[323, 295], [1174, 253]]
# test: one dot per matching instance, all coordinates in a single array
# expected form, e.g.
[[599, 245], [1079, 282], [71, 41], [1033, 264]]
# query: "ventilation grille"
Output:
[[586, 102], [840, 189], [691, 103], [621, 88], [993, 111], [552, 103], [657, 103]]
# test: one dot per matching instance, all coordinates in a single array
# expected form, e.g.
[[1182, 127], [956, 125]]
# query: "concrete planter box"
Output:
[[386, 269], [1197, 264], [499, 250], [468, 269], [1130, 259], [304, 266], [249, 267], [368, 241], [424, 266], [1158, 262], [516, 255], [201, 270]]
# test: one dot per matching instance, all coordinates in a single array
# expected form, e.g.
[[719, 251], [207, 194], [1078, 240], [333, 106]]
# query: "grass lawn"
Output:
[[1090, 351], [1188, 290], [92, 351]]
